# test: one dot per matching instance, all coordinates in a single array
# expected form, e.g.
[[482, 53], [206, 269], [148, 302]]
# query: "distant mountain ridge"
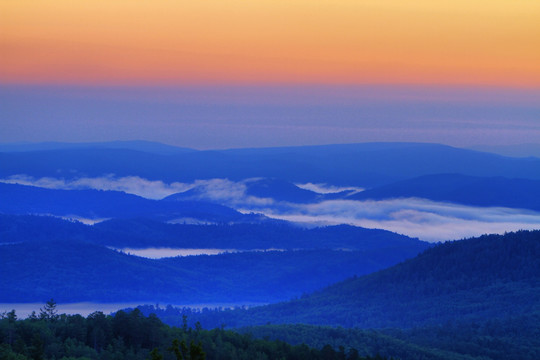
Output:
[[470, 190], [364, 165], [99, 204]]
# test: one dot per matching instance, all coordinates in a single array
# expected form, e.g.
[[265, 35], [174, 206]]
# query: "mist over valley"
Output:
[[375, 236]]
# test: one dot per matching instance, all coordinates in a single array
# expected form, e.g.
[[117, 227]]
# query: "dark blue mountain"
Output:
[[97, 204], [75, 271], [141, 233], [43, 257], [145, 233], [365, 165], [280, 190], [275, 189], [470, 190]]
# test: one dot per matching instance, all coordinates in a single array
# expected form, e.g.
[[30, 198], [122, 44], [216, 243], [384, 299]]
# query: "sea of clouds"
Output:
[[150, 189], [421, 218]]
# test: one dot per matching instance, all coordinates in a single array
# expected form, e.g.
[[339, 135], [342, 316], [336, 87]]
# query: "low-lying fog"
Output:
[[158, 253], [425, 219], [23, 310]]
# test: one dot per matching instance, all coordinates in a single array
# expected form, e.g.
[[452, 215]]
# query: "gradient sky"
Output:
[[270, 72], [488, 42]]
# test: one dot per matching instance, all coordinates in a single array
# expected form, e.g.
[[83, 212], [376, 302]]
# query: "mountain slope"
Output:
[[261, 188], [509, 339], [43, 257], [74, 271], [482, 278], [145, 233], [97, 204]]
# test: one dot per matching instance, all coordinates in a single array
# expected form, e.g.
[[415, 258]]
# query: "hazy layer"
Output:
[[23, 310], [158, 253], [233, 117], [425, 219]]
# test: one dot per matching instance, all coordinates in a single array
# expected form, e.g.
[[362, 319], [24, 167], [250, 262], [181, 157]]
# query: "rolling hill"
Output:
[[43, 257], [261, 188], [144, 233], [75, 271], [97, 204], [490, 277]]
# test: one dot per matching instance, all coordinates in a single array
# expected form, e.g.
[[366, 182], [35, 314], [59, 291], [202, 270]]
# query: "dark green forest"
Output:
[[508, 339], [132, 336]]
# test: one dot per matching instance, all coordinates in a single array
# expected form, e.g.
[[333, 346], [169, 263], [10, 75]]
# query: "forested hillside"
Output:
[[48, 335], [99, 205], [509, 339], [144, 233], [74, 271], [490, 277], [334, 292]]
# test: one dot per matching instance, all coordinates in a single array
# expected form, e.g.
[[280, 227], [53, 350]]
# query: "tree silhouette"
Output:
[[49, 311]]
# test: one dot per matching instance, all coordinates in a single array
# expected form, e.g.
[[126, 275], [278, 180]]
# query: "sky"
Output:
[[230, 73]]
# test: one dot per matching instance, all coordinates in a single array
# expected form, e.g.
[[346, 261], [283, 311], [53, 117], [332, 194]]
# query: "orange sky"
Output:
[[476, 42]]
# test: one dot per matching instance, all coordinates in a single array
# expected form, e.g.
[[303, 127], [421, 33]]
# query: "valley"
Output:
[[282, 256]]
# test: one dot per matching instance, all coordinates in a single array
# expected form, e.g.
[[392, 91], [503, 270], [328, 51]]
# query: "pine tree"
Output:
[[49, 311]]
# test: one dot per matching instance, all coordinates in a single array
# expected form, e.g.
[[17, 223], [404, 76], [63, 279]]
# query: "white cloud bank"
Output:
[[328, 189], [151, 189], [219, 190], [427, 220], [229, 193]]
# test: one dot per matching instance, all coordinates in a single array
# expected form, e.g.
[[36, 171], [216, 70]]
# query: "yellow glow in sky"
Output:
[[478, 42]]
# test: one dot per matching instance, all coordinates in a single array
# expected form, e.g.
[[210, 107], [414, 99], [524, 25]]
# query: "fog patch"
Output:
[[223, 191], [190, 221], [159, 253], [321, 188], [227, 192], [427, 220], [24, 310], [86, 221], [150, 189]]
